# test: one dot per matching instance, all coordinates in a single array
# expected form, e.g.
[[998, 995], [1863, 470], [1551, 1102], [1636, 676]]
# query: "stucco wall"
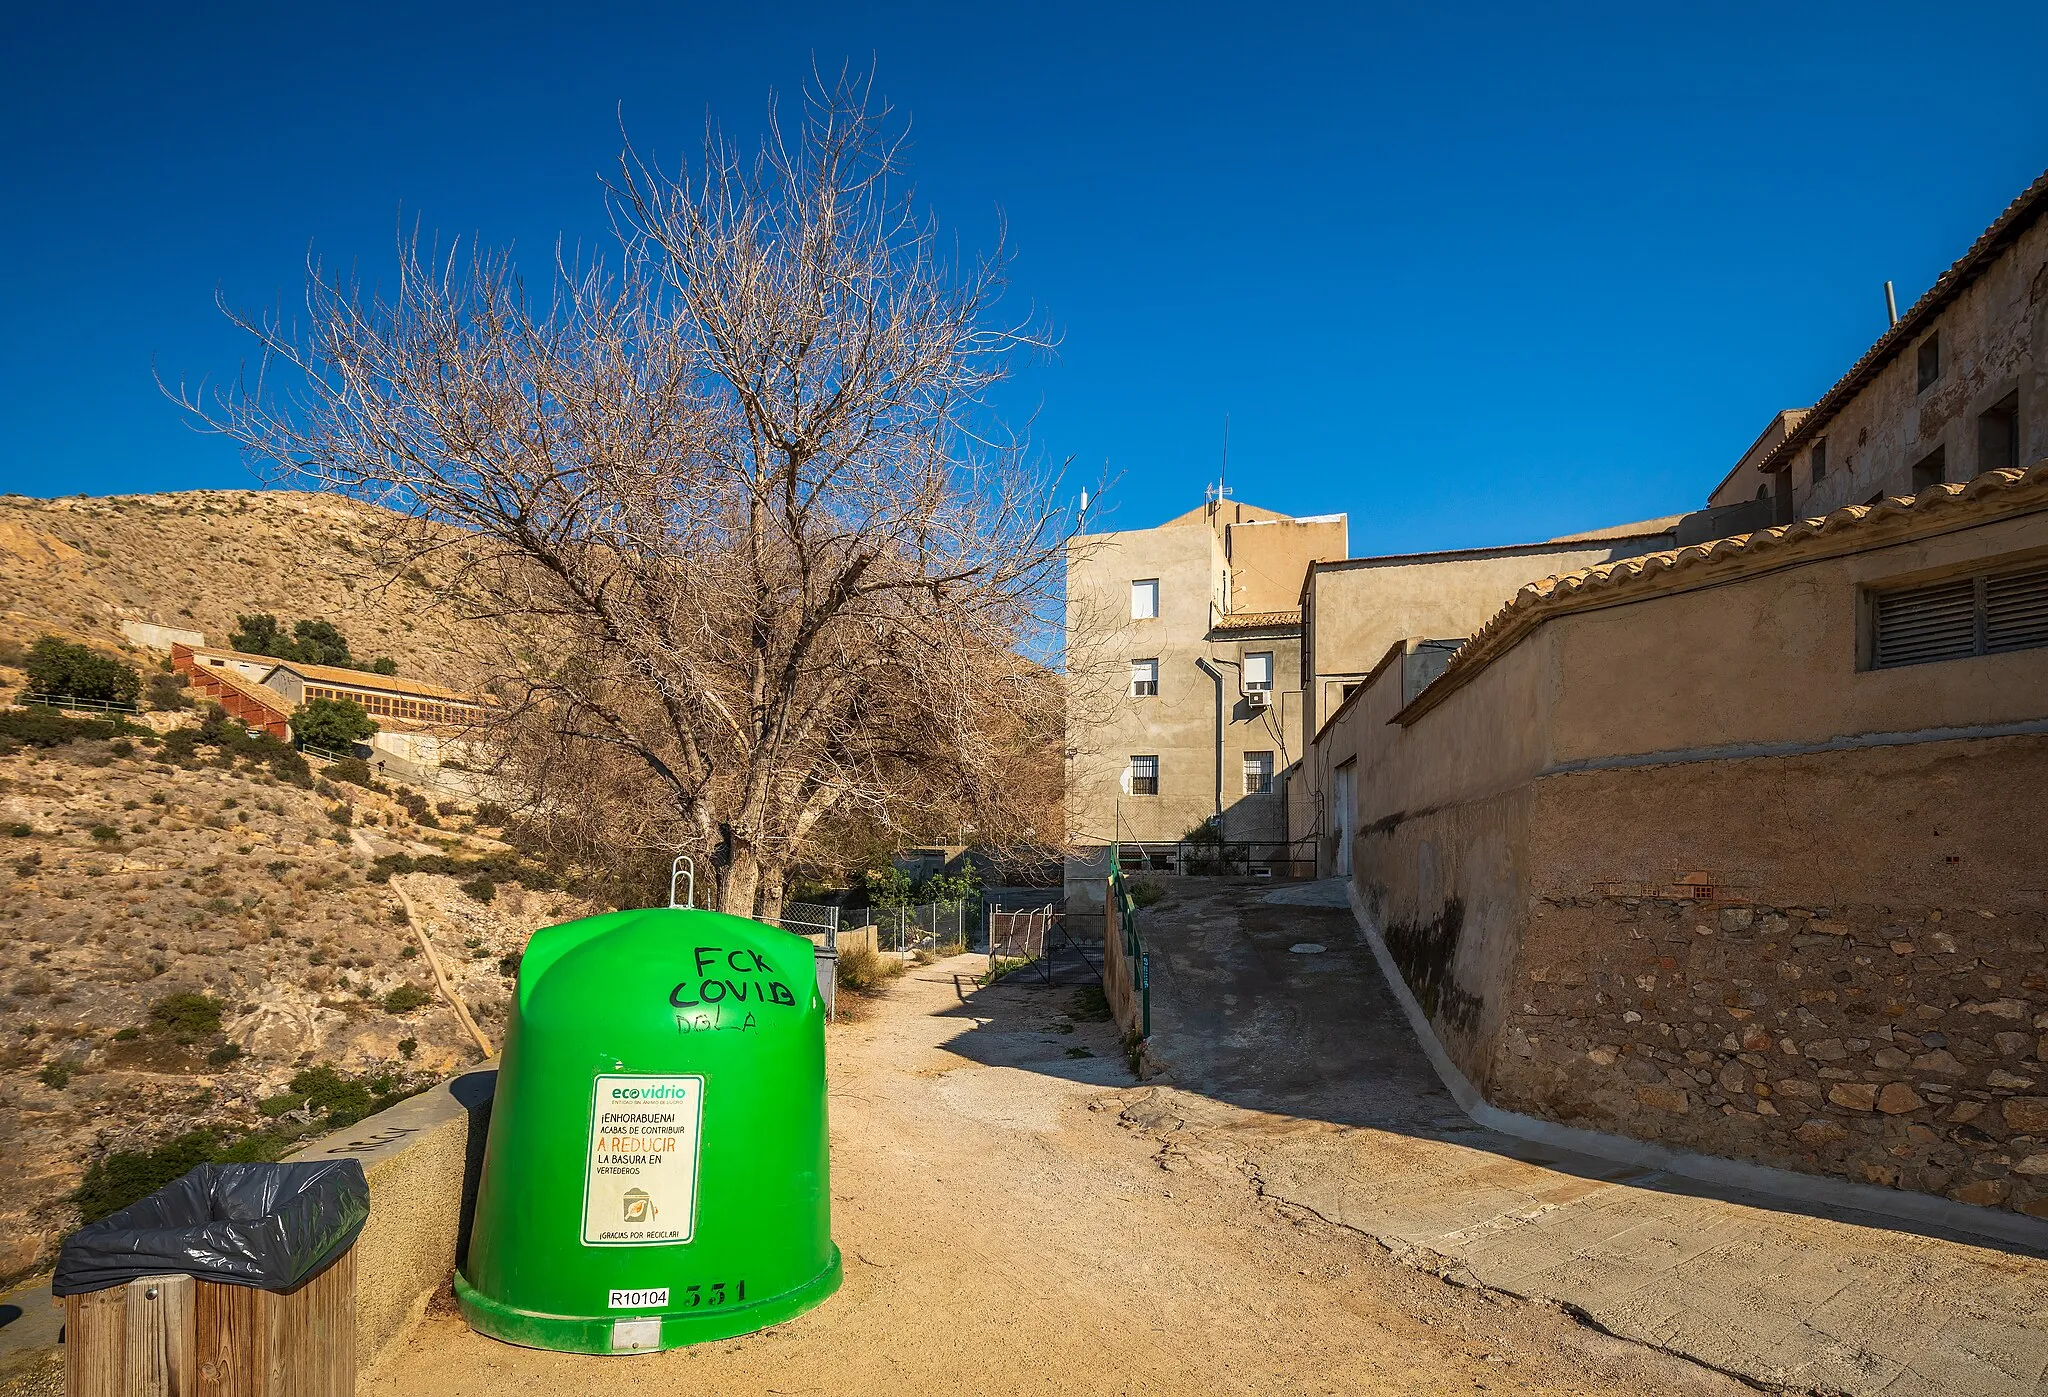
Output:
[[1991, 338], [1353, 611], [1679, 867], [1774, 658]]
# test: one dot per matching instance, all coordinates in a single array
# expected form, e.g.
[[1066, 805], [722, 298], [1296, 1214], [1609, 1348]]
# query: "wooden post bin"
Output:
[[176, 1336]]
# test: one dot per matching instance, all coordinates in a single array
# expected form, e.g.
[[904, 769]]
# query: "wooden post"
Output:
[[173, 1336]]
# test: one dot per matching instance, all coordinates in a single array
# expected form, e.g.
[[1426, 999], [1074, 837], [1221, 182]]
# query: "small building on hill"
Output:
[[384, 696]]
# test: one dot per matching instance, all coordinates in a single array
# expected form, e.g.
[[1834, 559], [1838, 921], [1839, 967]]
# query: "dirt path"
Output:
[[1012, 1224]]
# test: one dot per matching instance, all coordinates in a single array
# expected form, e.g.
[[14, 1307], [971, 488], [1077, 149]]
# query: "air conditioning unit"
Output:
[[1257, 698]]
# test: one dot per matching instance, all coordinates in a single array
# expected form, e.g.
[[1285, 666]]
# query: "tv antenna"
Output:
[[1220, 491]]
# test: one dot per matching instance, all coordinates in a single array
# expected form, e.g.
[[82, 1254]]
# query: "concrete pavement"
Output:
[[1302, 1069]]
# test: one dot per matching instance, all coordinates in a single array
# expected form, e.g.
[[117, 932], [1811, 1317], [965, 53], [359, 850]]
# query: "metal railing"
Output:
[[1255, 858], [1128, 973], [68, 704]]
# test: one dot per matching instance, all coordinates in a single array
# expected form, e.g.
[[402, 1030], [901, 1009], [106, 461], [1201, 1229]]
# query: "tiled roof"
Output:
[[249, 689], [371, 680], [2019, 215], [1256, 620], [1994, 492]]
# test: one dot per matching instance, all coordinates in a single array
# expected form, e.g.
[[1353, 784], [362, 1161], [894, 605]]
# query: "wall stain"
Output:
[[1424, 952]]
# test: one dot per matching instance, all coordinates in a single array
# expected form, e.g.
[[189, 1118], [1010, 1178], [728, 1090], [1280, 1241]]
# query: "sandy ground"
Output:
[[1009, 1228]]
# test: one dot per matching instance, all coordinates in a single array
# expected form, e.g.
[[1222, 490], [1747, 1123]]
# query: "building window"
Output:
[[1258, 773], [1144, 678], [1145, 599], [1820, 460], [1144, 776], [1930, 361], [1258, 672], [1985, 615], [1932, 470], [1998, 435]]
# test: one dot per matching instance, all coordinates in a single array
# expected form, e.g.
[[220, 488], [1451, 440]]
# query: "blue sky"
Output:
[[1472, 274]]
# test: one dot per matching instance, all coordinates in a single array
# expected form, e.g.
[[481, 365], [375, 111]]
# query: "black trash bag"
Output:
[[270, 1226]]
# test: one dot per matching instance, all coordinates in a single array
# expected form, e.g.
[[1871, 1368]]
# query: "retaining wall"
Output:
[[423, 1158]]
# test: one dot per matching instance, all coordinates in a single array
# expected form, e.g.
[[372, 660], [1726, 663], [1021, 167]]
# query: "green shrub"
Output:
[[888, 887], [127, 1035], [19, 830], [1145, 891], [167, 692], [353, 770], [185, 1016], [334, 724], [56, 1075], [405, 999], [408, 1046], [77, 671], [343, 814], [865, 970], [46, 727], [105, 833], [223, 1055], [481, 888]]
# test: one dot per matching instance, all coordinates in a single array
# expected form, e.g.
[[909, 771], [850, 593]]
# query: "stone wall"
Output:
[[1714, 957]]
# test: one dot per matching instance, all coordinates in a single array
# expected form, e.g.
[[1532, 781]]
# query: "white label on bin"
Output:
[[640, 1188], [640, 1299]]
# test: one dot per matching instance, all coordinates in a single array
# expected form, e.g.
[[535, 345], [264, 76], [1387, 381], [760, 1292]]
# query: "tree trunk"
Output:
[[768, 902], [740, 882]]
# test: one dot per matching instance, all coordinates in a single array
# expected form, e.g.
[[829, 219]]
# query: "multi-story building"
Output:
[[1958, 387], [1184, 646]]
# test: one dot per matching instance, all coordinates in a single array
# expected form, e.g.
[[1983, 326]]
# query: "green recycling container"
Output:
[[656, 1173]]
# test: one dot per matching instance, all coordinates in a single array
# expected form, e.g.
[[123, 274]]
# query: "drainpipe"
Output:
[[1216, 675]]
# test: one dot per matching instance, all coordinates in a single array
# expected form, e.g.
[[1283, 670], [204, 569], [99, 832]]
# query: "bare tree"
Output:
[[758, 551]]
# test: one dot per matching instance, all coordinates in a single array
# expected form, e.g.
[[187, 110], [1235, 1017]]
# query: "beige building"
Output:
[[1736, 848], [1185, 700], [1354, 609], [1957, 387]]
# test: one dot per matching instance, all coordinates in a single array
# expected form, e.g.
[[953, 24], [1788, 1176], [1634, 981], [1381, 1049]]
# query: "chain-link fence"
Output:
[[931, 926]]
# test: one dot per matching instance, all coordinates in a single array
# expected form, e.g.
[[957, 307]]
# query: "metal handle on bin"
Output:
[[684, 866]]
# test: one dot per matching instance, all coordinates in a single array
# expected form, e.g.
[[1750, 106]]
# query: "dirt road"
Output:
[[1014, 1221]]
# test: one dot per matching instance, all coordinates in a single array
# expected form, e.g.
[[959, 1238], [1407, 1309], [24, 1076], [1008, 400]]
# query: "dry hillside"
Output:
[[136, 883], [80, 566], [187, 928]]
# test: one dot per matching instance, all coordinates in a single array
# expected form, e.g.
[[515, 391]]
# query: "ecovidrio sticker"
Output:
[[640, 1188]]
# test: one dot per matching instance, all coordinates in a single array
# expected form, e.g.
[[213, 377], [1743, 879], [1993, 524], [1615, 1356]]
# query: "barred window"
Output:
[[1258, 773], [1144, 776], [1144, 678], [1985, 615]]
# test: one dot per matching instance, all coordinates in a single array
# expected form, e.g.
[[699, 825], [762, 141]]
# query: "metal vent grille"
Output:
[[1921, 624], [2016, 611], [1971, 616]]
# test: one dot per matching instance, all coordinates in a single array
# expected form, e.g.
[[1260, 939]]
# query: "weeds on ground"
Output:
[[865, 970], [1145, 891], [1089, 1005], [1003, 966]]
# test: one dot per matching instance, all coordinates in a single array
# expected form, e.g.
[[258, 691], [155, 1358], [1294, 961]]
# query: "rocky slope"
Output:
[[136, 879], [80, 566]]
